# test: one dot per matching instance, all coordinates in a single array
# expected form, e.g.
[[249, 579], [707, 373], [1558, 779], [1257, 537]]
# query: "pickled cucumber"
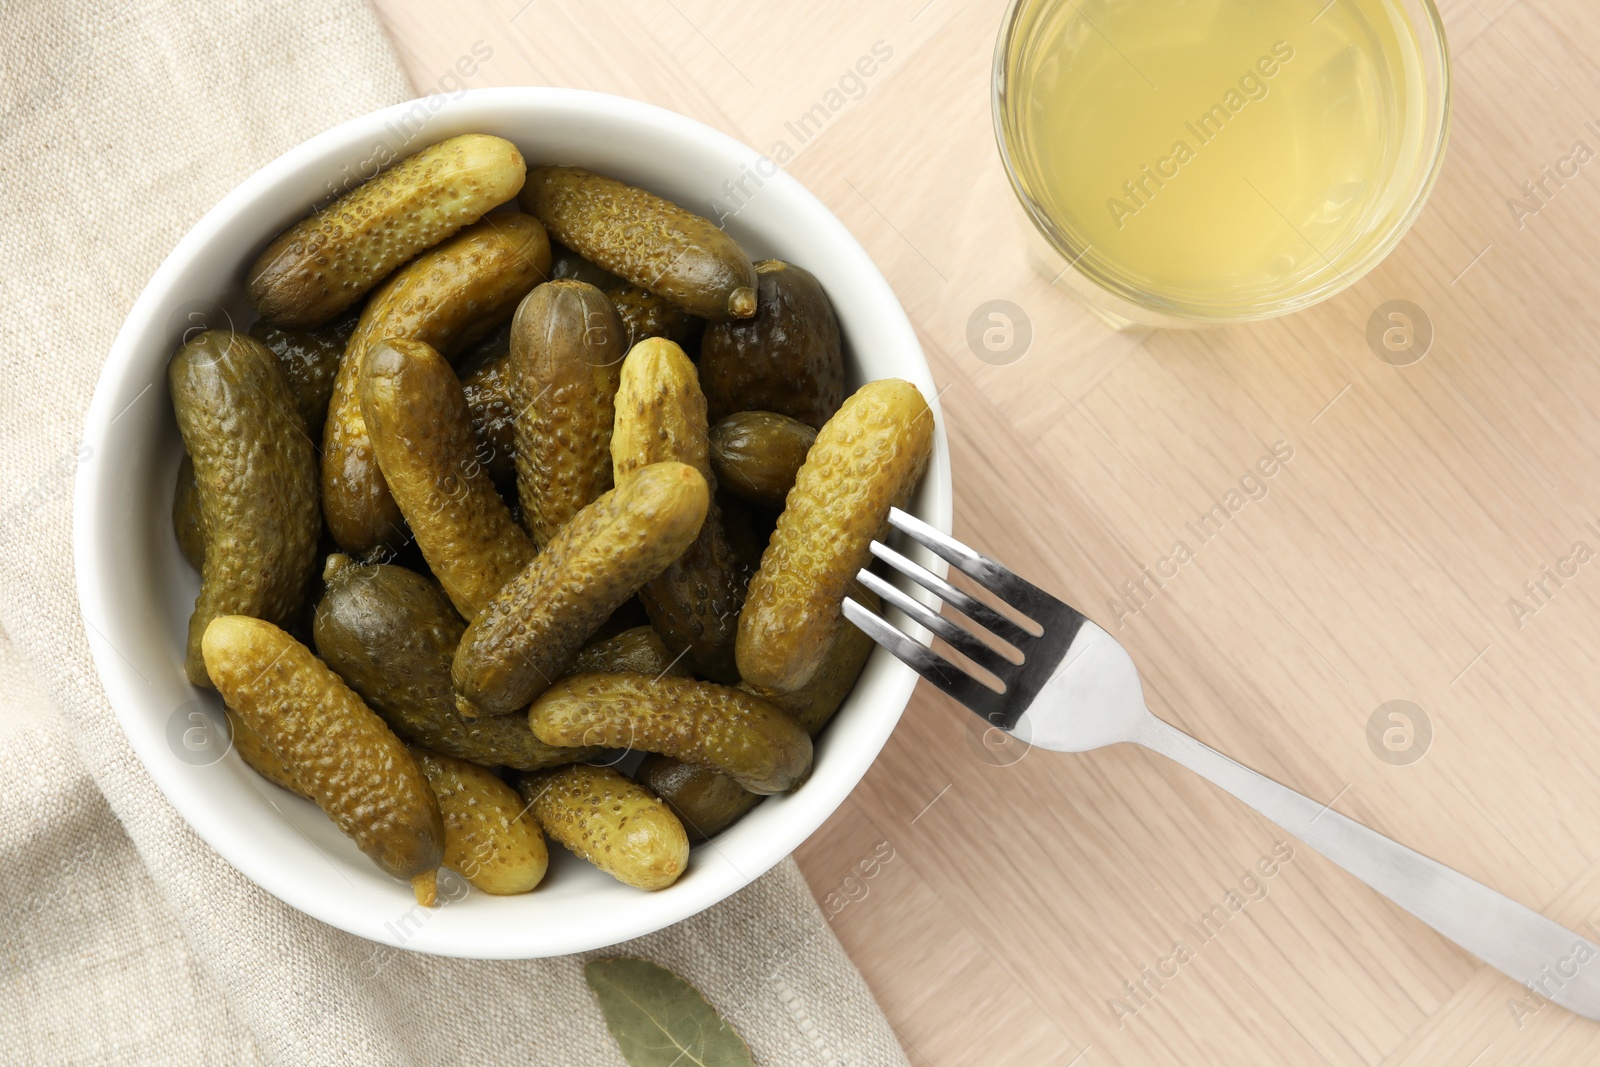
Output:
[[706, 801], [391, 633], [867, 458], [614, 823], [813, 704], [256, 477], [421, 432], [566, 359], [645, 315], [489, 838], [259, 757], [344, 756], [636, 651], [702, 723], [326, 261], [644, 239], [788, 358], [661, 415], [449, 297], [525, 637], [756, 455]]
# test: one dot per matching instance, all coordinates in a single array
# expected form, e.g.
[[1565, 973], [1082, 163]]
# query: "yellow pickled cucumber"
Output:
[[531, 630], [661, 415], [259, 757], [326, 261], [702, 723], [867, 458], [614, 823], [336, 747], [489, 838]]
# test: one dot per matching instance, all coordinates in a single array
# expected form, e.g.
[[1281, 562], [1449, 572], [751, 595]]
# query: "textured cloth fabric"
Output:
[[126, 939]]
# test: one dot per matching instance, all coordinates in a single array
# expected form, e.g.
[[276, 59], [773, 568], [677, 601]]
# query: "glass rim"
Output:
[[1434, 47]]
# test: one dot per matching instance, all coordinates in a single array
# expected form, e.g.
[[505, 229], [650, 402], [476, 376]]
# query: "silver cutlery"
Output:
[[1077, 689]]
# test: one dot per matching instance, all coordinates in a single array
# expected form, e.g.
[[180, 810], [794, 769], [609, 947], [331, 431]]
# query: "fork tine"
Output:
[[998, 579], [974, 609], [968, 644], [925, 661]]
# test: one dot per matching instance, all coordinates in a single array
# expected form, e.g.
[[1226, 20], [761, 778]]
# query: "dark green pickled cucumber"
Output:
[[651, 242], [391, 633], [486, 383], [749, 528], [421, 433], [615, 823], [756, 454], [337, 750], [566, 360], [256, 479], [702, 723], [528, 634], [311, 360], [661, 415], [787, 359], [706, 801], [645, 315], [636, 651]]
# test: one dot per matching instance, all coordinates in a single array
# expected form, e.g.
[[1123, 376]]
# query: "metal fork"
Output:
[[1077, 689]]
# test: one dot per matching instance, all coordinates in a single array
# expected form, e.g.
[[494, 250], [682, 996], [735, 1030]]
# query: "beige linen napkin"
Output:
[[126, 939]]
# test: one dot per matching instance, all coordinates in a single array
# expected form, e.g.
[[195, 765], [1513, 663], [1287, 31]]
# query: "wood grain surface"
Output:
[[1003, 908]]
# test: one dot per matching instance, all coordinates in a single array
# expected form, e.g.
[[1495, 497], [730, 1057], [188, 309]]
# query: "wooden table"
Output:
[[1024, 900]]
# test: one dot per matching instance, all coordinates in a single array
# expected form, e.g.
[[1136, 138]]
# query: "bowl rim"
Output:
[[93, 523]]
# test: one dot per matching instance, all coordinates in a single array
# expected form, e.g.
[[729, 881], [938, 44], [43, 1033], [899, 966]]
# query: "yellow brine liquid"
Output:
[[1219, 158]]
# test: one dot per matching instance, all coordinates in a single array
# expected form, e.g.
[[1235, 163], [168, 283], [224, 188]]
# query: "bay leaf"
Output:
[[660, 1020]]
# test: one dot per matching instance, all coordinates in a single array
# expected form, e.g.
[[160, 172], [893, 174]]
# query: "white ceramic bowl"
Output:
[[136, 591]]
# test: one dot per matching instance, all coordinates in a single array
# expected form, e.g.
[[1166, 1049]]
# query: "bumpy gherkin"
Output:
[[567, 346], [339, 752], [255, 477], [651, 242], [527, 635], [661, 415], [325, 262], [866, 459], [615, 824], [709, 725]]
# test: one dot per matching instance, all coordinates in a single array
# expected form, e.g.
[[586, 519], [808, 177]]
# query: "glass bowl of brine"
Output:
[[1192, 162]]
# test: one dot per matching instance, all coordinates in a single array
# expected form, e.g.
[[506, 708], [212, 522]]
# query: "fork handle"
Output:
[[1536, 951]]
